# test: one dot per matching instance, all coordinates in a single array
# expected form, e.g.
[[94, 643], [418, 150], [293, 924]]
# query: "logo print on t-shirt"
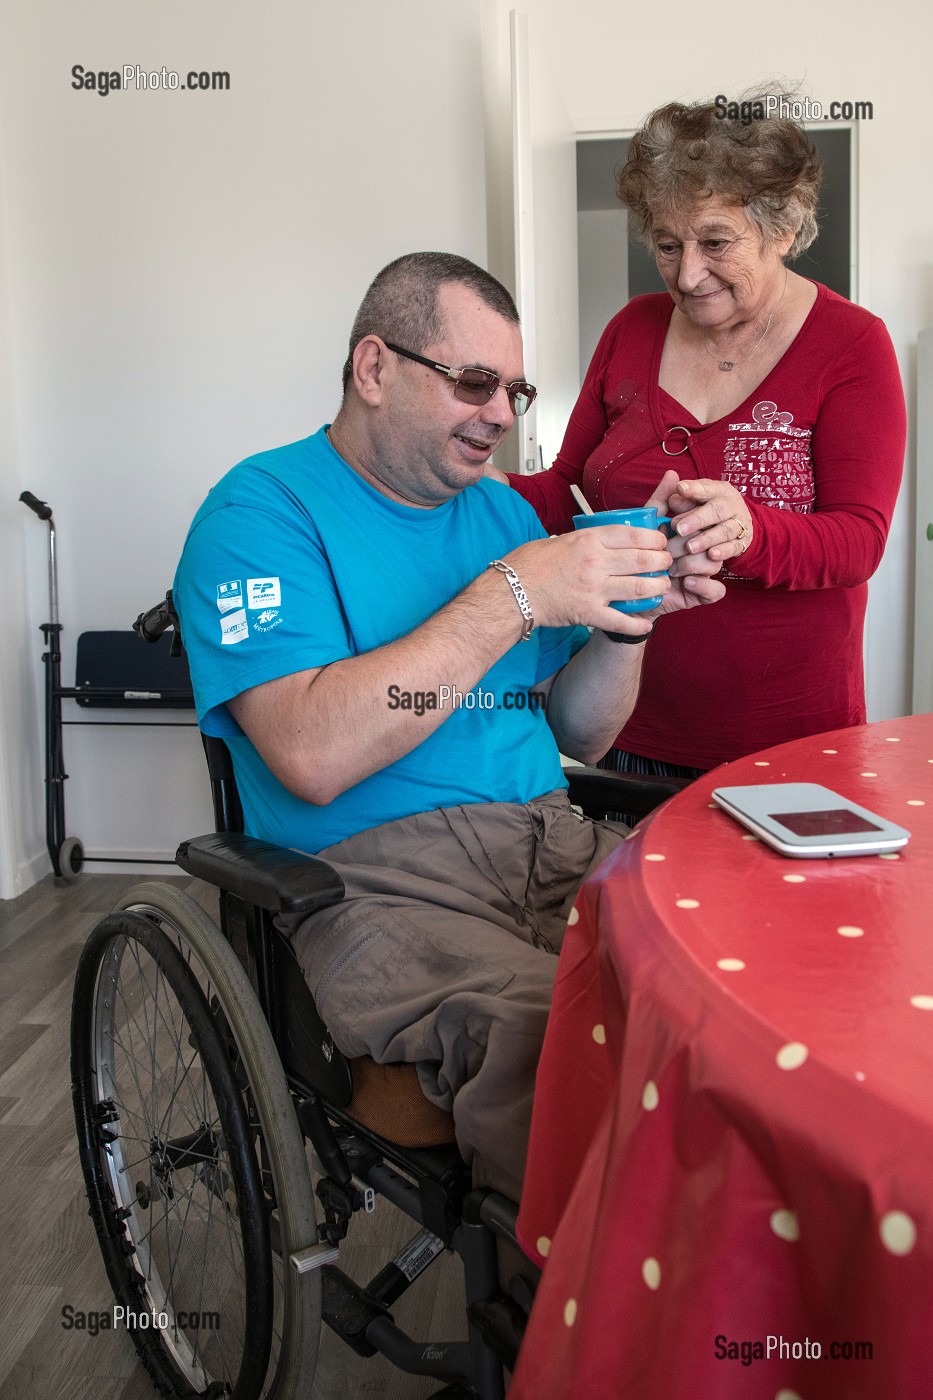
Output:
[[233, 627], [230, 595], [267, 619], [769, 460], [263, 593]]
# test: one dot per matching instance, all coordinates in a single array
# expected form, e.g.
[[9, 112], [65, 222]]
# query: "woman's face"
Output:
[[714, 266]]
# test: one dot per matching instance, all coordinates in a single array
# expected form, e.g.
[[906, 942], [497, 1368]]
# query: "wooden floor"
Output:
[[48, 1254]]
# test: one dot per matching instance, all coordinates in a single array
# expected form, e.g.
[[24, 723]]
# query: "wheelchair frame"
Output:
[[199, 1067]]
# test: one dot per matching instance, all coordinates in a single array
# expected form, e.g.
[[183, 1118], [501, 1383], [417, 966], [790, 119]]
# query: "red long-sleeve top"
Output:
[[817, 450]]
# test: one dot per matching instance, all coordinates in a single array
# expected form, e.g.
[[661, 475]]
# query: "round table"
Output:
[[730, 1177]]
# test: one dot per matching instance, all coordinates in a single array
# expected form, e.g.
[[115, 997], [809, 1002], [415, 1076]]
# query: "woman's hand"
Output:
[[709, 517], [690, 570], [496, 475]]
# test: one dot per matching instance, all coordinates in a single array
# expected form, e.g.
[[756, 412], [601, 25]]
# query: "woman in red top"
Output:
[[780, 407]]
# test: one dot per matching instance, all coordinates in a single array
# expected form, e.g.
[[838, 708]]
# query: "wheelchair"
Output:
[[203, 1078]]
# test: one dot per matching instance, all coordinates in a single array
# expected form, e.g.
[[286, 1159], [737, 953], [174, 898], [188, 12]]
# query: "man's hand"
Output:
[[573, 578], [690, 588]]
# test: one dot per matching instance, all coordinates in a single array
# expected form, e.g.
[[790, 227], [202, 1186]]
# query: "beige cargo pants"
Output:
[[443, 955]]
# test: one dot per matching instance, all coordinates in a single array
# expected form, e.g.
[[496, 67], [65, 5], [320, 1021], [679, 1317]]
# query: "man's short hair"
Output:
[[402, 303]]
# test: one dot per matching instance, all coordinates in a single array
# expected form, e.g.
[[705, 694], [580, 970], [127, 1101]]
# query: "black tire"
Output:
[[277, 1138], [70, 859], [202, 1215]]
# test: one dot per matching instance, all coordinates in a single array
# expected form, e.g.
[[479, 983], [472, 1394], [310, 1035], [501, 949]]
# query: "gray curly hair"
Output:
[[683, 154]]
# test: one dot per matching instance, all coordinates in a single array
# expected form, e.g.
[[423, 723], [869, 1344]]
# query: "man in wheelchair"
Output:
[[395, 657]]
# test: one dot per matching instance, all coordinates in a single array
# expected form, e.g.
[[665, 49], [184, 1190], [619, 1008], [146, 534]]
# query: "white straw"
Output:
[[581, 500]]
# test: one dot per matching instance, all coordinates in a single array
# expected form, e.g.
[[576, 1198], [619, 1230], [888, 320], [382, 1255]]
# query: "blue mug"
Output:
[[642, 518]]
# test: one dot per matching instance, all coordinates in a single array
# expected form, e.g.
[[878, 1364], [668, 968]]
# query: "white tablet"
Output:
[[805, 819]]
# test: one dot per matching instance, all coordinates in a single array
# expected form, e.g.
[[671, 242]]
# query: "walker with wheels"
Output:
[[113, 670]]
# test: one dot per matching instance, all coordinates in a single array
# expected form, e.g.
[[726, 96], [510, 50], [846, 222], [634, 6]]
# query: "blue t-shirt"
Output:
[[295, 561]]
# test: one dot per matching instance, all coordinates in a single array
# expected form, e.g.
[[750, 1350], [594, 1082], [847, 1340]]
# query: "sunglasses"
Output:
[[477, 386]]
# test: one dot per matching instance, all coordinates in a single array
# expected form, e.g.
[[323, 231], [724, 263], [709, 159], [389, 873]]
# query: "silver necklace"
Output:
[[726, 365]]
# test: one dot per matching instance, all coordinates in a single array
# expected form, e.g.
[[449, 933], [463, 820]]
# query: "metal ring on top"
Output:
[[678, 428]]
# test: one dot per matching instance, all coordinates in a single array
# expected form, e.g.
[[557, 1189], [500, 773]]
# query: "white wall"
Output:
[[615, 63], [183, 270], [19, 732]]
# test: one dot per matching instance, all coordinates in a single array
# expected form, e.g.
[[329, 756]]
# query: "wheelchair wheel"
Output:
[[192, 1155]]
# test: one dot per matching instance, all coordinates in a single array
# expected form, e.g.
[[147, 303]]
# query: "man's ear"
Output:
[[371, 370]]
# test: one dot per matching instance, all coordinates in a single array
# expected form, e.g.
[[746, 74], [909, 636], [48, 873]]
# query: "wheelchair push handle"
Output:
[[40, 508], [151, 625]]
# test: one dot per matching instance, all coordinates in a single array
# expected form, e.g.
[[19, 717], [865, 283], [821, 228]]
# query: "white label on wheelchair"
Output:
[[416, 1257]]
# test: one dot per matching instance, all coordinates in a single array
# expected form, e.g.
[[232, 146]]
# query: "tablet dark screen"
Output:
[[836, 821]]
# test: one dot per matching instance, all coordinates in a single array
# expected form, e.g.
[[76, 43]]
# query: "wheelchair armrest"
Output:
[[600, 790], [276, 879]]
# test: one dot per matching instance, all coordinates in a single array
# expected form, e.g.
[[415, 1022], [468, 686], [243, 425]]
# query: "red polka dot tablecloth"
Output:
[[730, 1179]]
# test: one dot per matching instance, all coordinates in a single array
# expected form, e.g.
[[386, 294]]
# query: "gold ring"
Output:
[[743, 531], [677, 429]]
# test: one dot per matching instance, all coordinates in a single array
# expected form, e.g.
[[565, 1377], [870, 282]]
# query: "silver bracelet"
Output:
[[521, 597]]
